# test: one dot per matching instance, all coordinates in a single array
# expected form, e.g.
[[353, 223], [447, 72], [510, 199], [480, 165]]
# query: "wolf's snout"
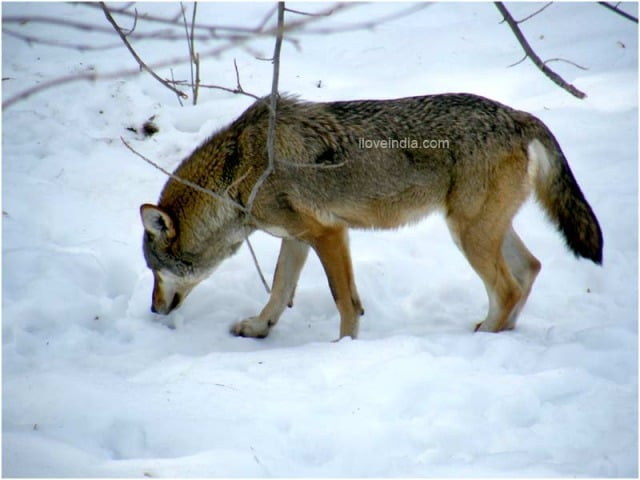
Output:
[[160, 309], [175, 302], [164, 308]]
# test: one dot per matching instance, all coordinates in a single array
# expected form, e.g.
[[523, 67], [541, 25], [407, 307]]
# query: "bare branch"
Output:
[[231, 90], [196, 56], [184, 181], [133, 27], [255, 262], [540, 10], [518, 62], [318, 166], [272, 110], [239, 90], [565, 61], [271, 128], [143, 65], [367, 25], [193, 26], [266, 18], [93, 76], [194, 63], [196, 90], [173, 81], [29, 39], [237, 181], [235, 67], [166, 34], [87, 27], [88, 76], [310, 14], [213, 30], [121, 8], [615, 8], [557, 79], [231, 41]]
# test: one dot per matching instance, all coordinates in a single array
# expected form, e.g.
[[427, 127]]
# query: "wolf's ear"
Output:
[[157, 222]]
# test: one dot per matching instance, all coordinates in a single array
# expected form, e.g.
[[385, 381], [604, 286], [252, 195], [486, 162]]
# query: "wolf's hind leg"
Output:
[[524, 267], [293, 254], [481, 241]]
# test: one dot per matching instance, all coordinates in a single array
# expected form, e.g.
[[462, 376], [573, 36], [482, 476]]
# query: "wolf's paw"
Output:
[[252, 327], [487, 327]]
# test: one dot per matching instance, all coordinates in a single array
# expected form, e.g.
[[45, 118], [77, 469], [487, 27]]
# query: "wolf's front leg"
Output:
[[293, 254], [332, 246]]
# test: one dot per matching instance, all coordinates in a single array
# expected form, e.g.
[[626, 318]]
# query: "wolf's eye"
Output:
[[184, 266], [187, 260]]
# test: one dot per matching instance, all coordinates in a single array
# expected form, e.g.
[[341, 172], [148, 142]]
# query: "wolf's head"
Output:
[[178, 264]]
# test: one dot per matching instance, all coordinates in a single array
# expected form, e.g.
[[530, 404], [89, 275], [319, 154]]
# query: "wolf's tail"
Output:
[[559, 193]]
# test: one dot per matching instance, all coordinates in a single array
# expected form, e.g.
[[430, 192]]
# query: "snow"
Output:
[[94, 385]]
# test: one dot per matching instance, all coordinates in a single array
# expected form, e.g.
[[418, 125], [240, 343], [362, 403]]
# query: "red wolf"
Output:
[[371, 164]]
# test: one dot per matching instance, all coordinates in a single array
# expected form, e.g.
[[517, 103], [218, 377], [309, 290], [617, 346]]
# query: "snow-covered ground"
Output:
[[96, 385]]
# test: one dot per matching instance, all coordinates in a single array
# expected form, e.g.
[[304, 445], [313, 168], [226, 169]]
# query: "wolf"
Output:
[[365, 164]]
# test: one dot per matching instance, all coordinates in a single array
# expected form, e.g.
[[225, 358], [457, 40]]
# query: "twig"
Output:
[[196, 92], [135, 24], [219, 87], [366, 25], [232, 42], [196, 59], [235, 67], [272, 110], [213, 30], [143, 65], [309, 14], [566, 61], [618, 11], [318, 166], [231, 90], [238, 89], [90, 27], [23, 20], [540, 10], [194, 64], [255, 262], [189, 44], [266, 18], [518, 62], [30, 40], [89, 76], [557, 79], [237, 181], [173, 80], [184, 181]]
